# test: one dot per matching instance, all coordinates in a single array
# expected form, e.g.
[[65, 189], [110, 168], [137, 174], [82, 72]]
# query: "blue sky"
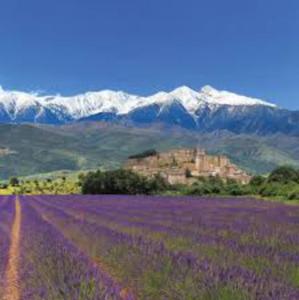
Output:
[[142, 46]]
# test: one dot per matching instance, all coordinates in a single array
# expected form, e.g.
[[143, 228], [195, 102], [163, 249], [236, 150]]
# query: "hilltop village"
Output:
[[182, 166]]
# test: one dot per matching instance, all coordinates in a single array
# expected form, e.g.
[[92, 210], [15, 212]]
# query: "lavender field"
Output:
[[124, 247]]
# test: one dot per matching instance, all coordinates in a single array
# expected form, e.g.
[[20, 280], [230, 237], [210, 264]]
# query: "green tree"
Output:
[[14, 181], [120, 182], [147, 153], [216, 184], [284, 174], [257, 181]]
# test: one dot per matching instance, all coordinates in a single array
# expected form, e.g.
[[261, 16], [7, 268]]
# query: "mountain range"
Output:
[[203, 111], [42, 134]]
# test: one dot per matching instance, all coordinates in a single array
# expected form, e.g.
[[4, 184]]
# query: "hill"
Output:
[[31, 149]]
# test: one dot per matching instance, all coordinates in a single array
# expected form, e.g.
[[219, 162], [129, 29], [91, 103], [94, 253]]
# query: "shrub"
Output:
[[270, 189], [294, 195], [234, 189], [215, 184], [198, 190], [257, 181]]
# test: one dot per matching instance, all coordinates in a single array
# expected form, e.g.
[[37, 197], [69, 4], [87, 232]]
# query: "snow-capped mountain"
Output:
[[205, 110]]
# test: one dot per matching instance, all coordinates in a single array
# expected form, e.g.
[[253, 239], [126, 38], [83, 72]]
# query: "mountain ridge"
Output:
[[119, 102], [202, 111]]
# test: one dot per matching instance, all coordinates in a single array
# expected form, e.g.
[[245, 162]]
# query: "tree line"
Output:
[[282, 182]]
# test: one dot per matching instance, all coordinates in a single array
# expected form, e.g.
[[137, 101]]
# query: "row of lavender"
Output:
[[49, 266], [6, 219], [166, 248], [53, 268]]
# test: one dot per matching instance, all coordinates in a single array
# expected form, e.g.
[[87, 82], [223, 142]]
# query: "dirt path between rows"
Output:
[[12, 291]]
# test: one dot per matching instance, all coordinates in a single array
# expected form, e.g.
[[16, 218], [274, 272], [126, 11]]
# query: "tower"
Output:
[[200, 159]]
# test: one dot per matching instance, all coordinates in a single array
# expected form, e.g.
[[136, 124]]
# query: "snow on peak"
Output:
[[213, 96], [208, 89], [93, 103], [183, 90], [189, 98], [16, 103], [90, 103]]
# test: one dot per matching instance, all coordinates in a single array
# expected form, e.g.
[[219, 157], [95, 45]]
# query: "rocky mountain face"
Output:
[[206, 110]]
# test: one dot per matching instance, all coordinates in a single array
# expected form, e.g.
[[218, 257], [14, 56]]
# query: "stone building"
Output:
[[184, 165]]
